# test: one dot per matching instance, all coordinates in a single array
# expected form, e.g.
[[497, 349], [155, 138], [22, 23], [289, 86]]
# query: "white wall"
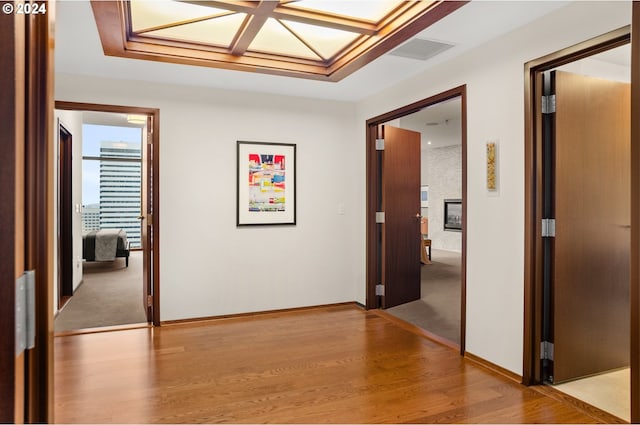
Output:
[[494, 75], [72, 121], [208, 266], [441, 170], [445, 182]]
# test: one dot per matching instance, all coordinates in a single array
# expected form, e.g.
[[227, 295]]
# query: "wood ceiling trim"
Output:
[[112, 21], [253, 26], [370, 51]]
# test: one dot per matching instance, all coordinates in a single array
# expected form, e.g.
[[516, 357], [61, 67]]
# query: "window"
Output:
[[111, 179]]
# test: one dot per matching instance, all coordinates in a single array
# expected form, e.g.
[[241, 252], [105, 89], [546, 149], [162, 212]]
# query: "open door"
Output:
[[401, 238], [146, 218], [65, 216], [589, 152]]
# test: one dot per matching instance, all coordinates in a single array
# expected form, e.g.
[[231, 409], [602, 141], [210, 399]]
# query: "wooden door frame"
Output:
[[12, 108], [635, 214], [155, 220], [533, 192], [26, 210], [373, 195]]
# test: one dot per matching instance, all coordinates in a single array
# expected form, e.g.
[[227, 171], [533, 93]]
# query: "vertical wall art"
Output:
[[266, 183], [424, 196], [492, 164]]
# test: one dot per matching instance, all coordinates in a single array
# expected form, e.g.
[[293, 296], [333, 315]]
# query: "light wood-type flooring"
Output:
[[337, 364]]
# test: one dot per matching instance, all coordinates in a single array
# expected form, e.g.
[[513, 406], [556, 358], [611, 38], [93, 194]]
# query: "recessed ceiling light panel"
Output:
[[317, 39]]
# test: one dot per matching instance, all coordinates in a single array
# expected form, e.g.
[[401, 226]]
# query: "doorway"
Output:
[[424, 220], [117, 208], [578, 302]]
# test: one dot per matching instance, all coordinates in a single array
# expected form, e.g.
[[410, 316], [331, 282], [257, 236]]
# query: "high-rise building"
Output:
[[90, 217], [120, 185]]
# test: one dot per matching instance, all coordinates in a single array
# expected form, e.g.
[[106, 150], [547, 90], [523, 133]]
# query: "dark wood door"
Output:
[[147, 219], [401, 241], [592, 211], [65, 217]]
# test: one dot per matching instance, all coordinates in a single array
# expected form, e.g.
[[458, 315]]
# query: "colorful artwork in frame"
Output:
[[266, 183]]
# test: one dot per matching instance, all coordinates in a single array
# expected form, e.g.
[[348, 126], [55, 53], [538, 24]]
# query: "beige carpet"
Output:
[[610, 391], [110, 295], [438, 310]]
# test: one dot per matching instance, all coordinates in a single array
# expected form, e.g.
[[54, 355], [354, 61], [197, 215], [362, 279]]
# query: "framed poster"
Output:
[[266, 183]]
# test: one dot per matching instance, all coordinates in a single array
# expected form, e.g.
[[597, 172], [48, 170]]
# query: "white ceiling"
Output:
[[78, 51], [439, 124]]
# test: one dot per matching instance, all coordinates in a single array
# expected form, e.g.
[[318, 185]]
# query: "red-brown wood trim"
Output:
[[203, 320], [463, 264], [103, 329], [372, 206], [155, 113], [372, 195], [531, 173], [39, 209], [533, 178], [11, 209], [249, 31], [493, 367], [635, 214]]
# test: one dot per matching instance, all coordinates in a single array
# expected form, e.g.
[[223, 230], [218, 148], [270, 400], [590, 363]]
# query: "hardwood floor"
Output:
[[335, 364]]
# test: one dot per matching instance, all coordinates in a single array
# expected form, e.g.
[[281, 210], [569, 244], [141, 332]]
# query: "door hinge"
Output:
[[379, 217], [379, 144], [149, 301], [380, 290], [548, 227], [549, 104], [25, 310], [546, 350]]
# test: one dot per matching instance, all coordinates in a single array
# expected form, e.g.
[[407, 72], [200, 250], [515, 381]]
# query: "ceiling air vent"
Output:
[[420, 49]]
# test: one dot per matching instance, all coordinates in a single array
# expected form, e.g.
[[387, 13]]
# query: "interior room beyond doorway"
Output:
[[438, 311], [107, 191]]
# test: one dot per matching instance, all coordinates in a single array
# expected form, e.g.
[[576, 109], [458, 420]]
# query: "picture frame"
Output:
[[266, 183], [453, 215], [424, 196]]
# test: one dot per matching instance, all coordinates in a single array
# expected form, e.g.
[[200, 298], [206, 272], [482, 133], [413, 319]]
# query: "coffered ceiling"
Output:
[[80, 52], [315, 39]]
